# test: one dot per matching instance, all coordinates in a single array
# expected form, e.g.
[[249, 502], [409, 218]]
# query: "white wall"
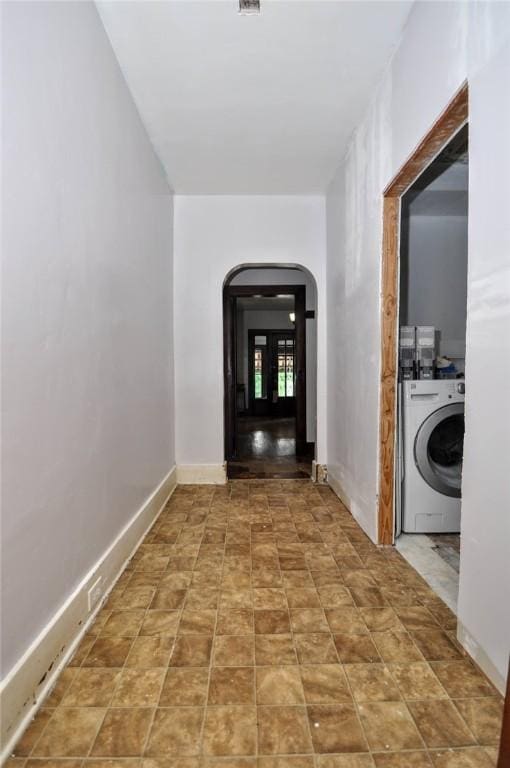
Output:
[[87, 311], [443, 44], [485, 565], [213, 235], [434, 284]]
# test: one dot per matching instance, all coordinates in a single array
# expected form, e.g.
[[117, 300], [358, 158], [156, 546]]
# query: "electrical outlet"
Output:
[[95, 593]]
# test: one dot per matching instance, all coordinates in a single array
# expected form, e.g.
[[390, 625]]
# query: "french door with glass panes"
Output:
[[272, 373]]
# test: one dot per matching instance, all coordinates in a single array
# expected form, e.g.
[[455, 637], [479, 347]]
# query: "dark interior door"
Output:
[[259, 371], [283, 374], [272, 373]]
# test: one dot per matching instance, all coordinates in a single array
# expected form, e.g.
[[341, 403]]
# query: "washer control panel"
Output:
[[421, 391]]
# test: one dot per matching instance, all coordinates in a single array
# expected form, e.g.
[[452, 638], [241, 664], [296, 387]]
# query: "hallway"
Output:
[[202, 222], [257, 624]]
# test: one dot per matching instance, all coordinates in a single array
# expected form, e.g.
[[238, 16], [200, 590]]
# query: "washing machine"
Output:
[[432, 435]]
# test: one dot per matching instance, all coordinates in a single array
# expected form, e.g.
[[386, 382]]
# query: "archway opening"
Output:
[[270, 369]]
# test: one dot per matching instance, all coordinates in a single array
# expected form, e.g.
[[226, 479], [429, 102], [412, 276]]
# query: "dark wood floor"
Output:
[[267, 449]]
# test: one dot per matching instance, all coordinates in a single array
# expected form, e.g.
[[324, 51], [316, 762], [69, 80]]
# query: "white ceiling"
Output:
[[252, 104]]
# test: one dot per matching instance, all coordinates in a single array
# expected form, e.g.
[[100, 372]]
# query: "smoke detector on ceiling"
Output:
[[249, 7]]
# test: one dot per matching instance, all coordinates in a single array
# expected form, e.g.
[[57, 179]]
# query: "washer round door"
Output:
[[438, 449]]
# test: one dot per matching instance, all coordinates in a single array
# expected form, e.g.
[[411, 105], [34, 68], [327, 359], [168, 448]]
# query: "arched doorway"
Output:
[[270, 365]]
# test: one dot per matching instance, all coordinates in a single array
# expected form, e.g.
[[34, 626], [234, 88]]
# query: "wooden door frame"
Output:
[[504, 742], [454, 117], [230, 295]]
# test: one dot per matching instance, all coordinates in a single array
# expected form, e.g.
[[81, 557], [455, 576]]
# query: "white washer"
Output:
[[433, 436]]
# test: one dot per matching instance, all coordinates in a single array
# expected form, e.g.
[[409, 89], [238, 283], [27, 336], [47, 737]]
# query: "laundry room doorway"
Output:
[[423, 385]]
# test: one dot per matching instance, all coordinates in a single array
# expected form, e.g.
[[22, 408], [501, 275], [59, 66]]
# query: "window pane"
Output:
[[258, 373], [261, 340], [281, 375], [290, 375]]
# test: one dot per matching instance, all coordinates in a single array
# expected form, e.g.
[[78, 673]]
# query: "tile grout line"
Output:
[[213, 641], [346, 676], [365, 553], [152, 719], [137, 636], [315, 756]]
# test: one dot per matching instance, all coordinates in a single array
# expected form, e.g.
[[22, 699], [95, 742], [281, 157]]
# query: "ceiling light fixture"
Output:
[[249, 7]]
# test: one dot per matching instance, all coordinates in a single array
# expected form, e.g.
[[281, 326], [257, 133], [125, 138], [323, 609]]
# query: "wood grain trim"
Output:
[[389, 331], [445, 127], [450, 121], [300, 331], [229, 372], [504, 744]]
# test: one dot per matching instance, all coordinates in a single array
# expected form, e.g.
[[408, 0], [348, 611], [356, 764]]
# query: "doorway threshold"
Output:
[[430, 558], [269, 469]]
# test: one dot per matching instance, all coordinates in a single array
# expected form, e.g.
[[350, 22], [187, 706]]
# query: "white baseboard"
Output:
[[336, 485], [33, 676], [477, 653], [201, 474], [352, 506]]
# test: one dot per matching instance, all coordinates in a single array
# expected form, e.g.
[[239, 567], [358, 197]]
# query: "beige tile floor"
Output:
[[258, 627]]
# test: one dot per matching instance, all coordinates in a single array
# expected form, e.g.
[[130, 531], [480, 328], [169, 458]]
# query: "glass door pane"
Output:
[[259, 367], [289, 368], [258, 372], [285, 366], [281, 367]]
